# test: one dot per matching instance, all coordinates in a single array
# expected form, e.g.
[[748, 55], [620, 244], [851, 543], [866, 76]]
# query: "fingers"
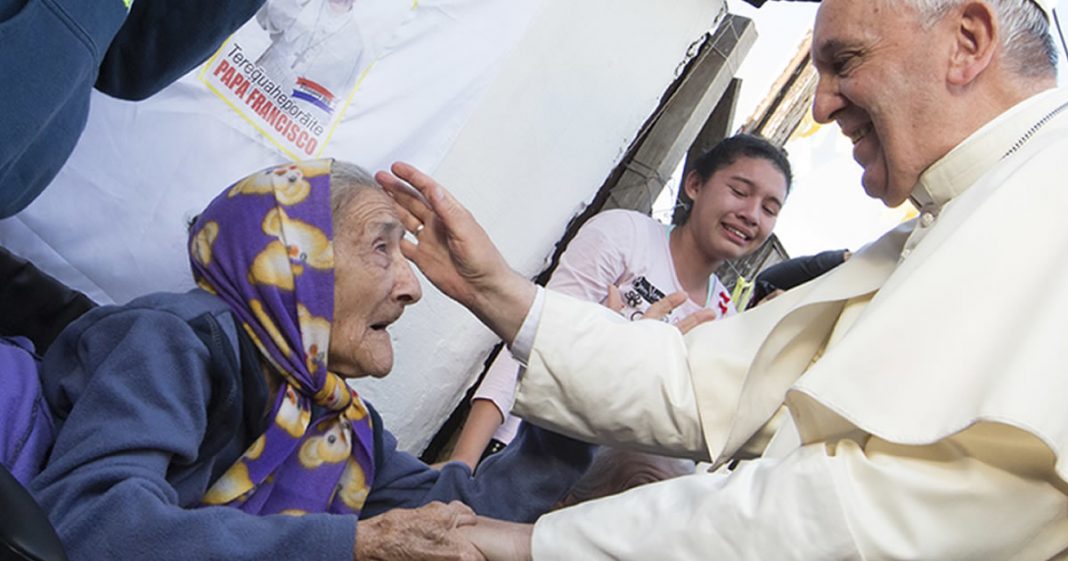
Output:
[[464, 515], [450, 515], [423, 203], [410, 250], [422, 182], [412, 189], [693, 320], [452, 214], [614, 300], [431, 532], [411, 207], [499, 540], [665, 305]]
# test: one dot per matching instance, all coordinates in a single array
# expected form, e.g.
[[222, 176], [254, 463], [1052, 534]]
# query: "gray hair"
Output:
[[1025, 32], [347, 181]]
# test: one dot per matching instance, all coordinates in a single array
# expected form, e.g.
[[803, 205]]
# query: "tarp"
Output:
[[410, 75], [521, 107]]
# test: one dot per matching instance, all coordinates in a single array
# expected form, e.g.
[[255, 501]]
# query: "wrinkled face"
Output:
[[735, 210], [878, 74], [372, 284]]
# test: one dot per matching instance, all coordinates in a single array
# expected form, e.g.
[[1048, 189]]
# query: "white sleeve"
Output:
[[637, 395], [824, 502], [276, 16]]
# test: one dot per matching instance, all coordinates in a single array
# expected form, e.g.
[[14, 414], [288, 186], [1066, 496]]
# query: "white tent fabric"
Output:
[[112, 224], [521, 107]]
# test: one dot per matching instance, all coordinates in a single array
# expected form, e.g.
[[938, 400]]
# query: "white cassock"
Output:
[[926, 384]]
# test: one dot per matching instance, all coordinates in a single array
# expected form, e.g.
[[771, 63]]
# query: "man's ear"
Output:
[[976, 39], [692, 185]]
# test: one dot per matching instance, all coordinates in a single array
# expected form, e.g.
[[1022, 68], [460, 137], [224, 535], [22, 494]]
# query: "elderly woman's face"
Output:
[[373, 283]]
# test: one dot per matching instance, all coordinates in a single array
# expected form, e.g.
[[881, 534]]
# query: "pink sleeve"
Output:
[[499, 383], [593, 260], [596, 257]]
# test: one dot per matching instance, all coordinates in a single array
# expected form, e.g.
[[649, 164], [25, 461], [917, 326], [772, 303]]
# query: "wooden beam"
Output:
[[682, 117], [715, 130], [779, 115]]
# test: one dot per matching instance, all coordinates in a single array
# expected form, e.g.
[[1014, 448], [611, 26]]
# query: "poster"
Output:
[[292, 71]]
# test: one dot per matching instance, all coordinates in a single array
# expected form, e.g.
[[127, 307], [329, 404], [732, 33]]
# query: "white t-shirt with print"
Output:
[[620, 247]]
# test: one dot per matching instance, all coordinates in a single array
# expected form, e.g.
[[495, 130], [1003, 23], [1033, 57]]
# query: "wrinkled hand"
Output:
[[430, 533], [499, 540], [455, 253], [660, 309]]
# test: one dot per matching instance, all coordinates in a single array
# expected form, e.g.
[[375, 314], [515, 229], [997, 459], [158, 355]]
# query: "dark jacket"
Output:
[[154, 400]]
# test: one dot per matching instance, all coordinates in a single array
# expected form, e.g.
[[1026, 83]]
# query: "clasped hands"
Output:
[[440, 532]]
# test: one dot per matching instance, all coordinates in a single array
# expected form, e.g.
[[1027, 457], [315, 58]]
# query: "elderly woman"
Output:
[[217, 424]]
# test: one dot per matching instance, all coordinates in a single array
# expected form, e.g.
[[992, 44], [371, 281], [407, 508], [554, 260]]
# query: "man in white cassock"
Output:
[[923, 383]]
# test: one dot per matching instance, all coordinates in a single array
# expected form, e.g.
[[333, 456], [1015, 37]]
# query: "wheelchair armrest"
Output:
[[25, 532]]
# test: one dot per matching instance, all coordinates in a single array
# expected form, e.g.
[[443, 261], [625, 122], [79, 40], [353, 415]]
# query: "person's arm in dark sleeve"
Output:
[[799, 270], [162, 40], [125, 478], [49, 52], [36, 306], [518, 483]]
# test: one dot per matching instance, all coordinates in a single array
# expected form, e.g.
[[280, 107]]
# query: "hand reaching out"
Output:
[[660, 309], [455, 253]]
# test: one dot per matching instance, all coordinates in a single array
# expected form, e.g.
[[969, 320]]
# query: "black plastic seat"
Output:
[[25, 532]]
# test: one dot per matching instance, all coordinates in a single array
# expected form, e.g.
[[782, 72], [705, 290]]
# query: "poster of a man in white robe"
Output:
[[316, 48], [291, 71]]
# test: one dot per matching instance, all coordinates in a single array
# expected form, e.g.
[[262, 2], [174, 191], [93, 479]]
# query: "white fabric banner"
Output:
[[293, 71], [408, 75], [521, 107]]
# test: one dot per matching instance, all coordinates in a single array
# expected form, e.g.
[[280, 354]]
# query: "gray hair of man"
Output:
[[1025, 32], [347, 181]]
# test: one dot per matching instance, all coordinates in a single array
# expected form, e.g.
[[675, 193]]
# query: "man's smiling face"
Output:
[[879, 72]]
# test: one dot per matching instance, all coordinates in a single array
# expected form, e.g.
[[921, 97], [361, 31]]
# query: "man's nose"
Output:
[[827, 100]]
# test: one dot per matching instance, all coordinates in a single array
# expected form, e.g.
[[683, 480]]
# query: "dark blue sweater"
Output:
[[52, 52], [155, 399]]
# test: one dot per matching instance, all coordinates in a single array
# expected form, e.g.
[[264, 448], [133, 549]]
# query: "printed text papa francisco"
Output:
[[267, 99]]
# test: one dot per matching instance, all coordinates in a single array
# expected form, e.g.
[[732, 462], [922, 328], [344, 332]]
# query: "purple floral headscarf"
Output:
[[265, 246]]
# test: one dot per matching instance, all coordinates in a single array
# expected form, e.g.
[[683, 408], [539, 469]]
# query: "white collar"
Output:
[[962, 167]]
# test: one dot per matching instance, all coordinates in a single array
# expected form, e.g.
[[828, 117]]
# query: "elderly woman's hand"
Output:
[[455, 253], [428, 533]]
